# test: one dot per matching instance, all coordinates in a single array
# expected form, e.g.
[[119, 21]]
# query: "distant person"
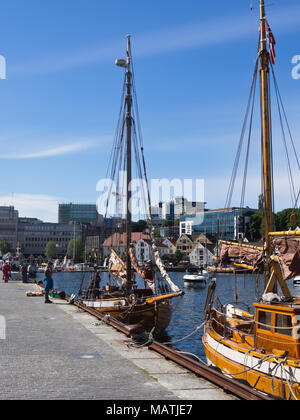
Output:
[[23, 271], [50, 267], [28, 271], [6, 271], [48, 282]]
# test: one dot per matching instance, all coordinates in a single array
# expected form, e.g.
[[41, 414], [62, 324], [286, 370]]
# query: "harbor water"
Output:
[[183, 333]]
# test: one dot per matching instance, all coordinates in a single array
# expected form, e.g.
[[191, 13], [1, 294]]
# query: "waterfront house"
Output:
[[143, 249], [202, 255], [117, 242], [187, 243]]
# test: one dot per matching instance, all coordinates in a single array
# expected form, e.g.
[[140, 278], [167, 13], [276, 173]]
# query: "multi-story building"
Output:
[[34, 235], [9, 225], [175, 208], [30, 235], [117, 242], [80, 213], [231, 223], [202, 255], [182, 206], [187, 243], [143, 249]]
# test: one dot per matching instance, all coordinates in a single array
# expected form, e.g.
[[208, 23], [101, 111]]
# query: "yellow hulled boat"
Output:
[[263, 348]]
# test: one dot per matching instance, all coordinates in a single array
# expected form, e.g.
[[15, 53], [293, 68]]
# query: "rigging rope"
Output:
[[250, 105]]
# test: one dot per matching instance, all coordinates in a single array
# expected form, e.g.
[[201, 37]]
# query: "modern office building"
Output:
[[80, 213], [176, 208], [231, 223], [182, 207]]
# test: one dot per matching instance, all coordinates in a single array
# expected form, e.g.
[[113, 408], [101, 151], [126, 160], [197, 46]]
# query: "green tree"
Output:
[[4, 246], [168, 223], [50, 250], [76, 249], [283, 219], [255, 228], [256, 222], [178, 255], [139, 226]]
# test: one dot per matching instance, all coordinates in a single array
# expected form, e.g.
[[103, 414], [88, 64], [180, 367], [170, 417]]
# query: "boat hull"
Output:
[[296, 281], [252, 368], [155, 315], [194, 280]]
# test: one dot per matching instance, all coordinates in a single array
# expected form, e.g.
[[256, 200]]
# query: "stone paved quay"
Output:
[[59, 352]]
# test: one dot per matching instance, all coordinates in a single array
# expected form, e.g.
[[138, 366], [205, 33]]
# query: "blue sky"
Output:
[[193, 65]]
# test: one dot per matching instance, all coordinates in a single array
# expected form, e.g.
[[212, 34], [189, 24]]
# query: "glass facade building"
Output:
[[81, 213], [231, 223]]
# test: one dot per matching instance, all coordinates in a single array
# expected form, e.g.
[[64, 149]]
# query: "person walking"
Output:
[[6, 271], [48, 282]]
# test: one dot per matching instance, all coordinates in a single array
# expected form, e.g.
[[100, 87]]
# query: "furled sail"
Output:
[[117, 266], [289, 255], [161, 268], [245, 253]]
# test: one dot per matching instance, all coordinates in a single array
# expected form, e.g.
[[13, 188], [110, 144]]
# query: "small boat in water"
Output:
[[195, 280], [296, 281]]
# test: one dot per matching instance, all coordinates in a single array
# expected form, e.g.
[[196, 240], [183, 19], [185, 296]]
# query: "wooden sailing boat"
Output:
[[261, 349], [125, 301]]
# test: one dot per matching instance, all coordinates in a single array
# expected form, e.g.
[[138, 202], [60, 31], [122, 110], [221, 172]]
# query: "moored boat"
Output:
[[263, 348], [195, 280], [296, 281], [124, 300]]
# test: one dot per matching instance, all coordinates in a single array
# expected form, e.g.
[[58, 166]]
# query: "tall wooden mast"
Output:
[[266, 129], [272, 269], [128, 159]]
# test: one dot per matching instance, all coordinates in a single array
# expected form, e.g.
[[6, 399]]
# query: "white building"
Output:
[[143, 249], [170, 243], [184, 206], [201, 255], [186, 228]]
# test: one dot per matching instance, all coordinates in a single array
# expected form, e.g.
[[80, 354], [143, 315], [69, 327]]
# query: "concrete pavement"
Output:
[[59, 352]]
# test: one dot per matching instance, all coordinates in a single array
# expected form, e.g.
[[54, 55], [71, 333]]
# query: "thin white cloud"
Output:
[[39, 206], [51, 151]]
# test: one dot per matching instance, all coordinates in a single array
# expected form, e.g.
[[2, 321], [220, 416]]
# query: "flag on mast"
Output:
[[272, 43]]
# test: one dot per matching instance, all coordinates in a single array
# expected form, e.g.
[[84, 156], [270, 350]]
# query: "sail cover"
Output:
[[146, 273], [289, 255], [162, 270], [240, 253], [117, 266]]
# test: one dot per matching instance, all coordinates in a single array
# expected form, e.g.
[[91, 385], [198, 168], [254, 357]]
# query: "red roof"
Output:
[[120, 239]]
